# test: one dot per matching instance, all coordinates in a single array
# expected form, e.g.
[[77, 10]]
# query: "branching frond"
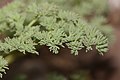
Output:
[[28, 26]]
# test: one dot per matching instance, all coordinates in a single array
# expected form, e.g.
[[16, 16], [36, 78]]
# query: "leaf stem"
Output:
[[32, 22]]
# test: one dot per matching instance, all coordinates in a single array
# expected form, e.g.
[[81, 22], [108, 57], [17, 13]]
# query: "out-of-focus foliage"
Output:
[[20, 77], [83, 7], [55, 76], [82, 75]]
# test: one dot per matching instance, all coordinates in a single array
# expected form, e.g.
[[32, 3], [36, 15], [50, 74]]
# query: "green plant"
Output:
[[32, 25], [82, 75], [83, 7], [93, 11], [55, 76]]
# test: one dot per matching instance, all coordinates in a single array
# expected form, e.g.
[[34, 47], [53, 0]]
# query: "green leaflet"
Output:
[[3, 65]]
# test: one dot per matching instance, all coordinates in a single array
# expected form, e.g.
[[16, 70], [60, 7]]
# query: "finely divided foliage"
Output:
[[27, 26], [83, 7]]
